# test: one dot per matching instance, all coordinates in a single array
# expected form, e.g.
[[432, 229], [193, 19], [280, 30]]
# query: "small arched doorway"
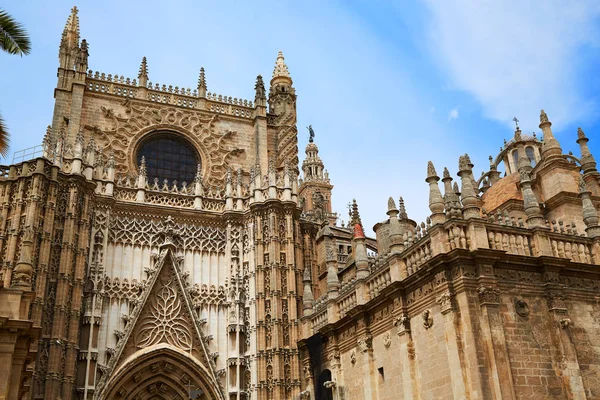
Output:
[[322, 392], [161, 372]]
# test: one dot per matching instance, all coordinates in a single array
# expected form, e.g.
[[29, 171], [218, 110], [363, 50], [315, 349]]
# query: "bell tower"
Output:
[[315, 187]]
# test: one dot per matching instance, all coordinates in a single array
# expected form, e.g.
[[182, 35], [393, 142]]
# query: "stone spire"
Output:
[[451, 201], [590, 214], [588, 163], [355, 216], [202, 83], [550, 147], [470, 200], [280, 70], [143, 74], [402, 215], [260, 96], [436, 202], [70, 35]]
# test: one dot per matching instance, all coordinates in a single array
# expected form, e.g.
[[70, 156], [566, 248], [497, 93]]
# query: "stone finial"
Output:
[[202, 83], [588, 163], [111, 160], [436, 201], [391, 205], [470, 199], [307, 297], [143, 73], [518, 136], [260, 95], [228, 177], [281, 70], [354, 214], [446, 174], [590, 214], [402, 208], [431, 170], [451, 198], [550, 147]]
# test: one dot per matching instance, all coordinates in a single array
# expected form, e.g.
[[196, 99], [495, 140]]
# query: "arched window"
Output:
[[169, 157], [515, 160], [530, 155]]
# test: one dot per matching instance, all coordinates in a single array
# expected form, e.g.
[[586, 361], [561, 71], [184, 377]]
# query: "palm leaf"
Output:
[[4, 139], [13, 36]]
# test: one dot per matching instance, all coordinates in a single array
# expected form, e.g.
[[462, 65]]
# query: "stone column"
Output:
[[7, 348], [495, 341], [407, 357], [457, 378], [565, 355]]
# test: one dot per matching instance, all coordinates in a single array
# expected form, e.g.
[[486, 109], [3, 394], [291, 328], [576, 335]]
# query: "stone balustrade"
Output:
[[180, 97]]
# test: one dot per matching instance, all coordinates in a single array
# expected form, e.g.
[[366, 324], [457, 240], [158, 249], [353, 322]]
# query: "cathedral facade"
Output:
[[166, 243]]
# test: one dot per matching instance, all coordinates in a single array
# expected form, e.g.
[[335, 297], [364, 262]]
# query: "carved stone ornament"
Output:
[[521, 308], [403, 324], [489, 295], [556, 302], [445, 302], [427, 319], [353, 356], [387, 339], [305, 395], [565, 323], [364, 343]]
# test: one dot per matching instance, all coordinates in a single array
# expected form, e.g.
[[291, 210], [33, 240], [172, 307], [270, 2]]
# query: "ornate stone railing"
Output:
[[180, 97], [379, 282], [319, 320], [515, 241], [457, 237], [346, 303], [417, 255], [577, 249]]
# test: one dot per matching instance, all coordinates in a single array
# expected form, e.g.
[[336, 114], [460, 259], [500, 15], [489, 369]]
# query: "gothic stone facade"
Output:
[[232, 279]]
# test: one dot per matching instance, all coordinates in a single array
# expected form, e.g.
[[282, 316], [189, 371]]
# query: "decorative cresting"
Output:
[[148, 232], [165, 321], [163, 316], [127, 130]]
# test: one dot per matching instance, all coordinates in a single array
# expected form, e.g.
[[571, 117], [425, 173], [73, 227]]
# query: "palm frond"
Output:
[[4, 139], [13, 36]]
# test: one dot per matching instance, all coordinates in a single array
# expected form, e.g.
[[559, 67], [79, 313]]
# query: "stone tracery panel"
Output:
[[147, 232], [215, 145]]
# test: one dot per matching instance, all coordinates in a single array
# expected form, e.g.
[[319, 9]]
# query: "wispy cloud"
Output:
[[453, 114], [516, 57]]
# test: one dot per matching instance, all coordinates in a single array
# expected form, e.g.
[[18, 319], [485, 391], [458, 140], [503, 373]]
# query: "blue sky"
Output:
[[387, 86]]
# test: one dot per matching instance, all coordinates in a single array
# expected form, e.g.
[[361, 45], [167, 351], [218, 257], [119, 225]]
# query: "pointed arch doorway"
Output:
[[160, 372]]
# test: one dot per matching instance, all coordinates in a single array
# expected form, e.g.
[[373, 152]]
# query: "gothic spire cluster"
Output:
[[281, 69]]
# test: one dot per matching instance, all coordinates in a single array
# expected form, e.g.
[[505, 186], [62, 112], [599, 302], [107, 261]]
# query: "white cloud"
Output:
[[516, 57], [453, 114]]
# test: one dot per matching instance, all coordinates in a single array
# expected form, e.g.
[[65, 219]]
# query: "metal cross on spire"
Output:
[[516, 122]]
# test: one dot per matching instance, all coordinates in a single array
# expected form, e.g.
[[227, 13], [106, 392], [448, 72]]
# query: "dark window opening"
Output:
[[168, 157]]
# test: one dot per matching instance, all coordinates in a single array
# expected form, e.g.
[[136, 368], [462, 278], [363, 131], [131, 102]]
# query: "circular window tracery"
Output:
[[169, 157]]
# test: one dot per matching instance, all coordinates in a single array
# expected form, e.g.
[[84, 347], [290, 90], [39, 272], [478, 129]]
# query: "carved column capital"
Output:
[[489, 296], [402, 323], [556, 302], [364, 343], [445, 302]]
